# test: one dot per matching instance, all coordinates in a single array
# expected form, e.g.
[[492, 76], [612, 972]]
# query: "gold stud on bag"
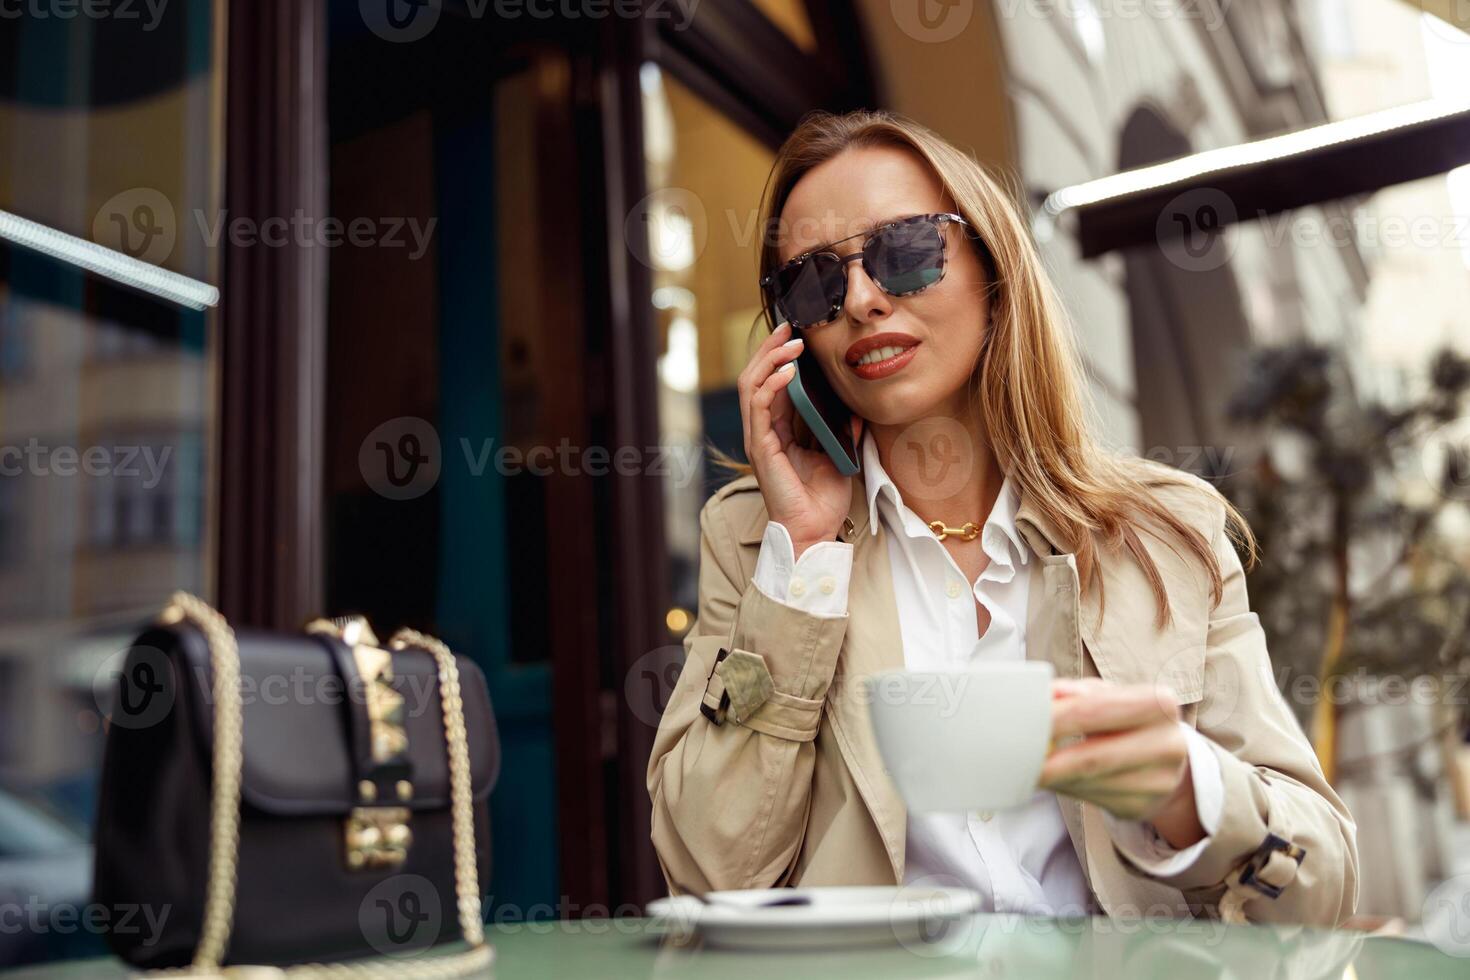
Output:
[[374, 840]]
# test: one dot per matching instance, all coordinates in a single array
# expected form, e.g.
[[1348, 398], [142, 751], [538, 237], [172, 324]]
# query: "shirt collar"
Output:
[[877, 482]]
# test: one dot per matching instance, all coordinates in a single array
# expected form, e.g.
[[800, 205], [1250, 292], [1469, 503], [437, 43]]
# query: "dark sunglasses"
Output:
[[902, 257]]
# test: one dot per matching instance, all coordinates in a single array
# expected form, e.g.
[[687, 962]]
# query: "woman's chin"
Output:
[[894, 410]]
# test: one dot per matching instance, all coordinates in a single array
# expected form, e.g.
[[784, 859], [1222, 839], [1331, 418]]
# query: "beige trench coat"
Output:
[[796, 793]]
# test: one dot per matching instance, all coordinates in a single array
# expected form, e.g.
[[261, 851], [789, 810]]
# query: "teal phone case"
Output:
[[845, 464]]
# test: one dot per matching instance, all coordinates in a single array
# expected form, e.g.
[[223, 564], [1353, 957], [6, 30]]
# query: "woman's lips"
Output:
[[891, 358]]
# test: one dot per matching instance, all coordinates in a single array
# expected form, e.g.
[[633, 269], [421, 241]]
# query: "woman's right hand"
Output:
[[802, 489]]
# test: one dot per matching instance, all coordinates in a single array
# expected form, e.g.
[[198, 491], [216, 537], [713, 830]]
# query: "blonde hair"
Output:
[[1027, 387]]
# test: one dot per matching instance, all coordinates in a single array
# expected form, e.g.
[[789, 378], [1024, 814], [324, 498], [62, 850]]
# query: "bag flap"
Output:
[[297, 759]]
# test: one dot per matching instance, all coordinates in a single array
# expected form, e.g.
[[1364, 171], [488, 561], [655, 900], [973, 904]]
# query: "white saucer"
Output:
[[839, 916]]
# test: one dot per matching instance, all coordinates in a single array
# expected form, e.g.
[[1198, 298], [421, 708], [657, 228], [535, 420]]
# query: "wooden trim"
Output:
[[585, 846], [756, 66], [708, 87], [637, 565], [273, 318]]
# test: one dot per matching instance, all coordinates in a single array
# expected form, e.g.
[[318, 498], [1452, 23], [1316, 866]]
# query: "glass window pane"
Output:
[[791, 17], [108, 131], [706, 176]]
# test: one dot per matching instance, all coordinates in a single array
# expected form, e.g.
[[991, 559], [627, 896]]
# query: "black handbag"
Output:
[[274, 799]]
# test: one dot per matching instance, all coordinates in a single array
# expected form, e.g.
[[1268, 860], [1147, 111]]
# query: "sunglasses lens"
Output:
[[811, 291], [906, 257]]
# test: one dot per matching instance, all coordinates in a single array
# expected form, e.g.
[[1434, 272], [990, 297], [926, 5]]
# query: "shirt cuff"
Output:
[[816, 583], [1142, 844]]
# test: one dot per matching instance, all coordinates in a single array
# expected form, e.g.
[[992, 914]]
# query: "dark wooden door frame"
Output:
[[273, 318], [637, 567]]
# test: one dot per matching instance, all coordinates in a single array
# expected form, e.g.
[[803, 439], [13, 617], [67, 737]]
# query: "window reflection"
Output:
[[705, 175], [106, 402], [791, 17]]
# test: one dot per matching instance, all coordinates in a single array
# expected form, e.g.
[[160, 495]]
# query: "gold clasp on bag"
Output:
[[377, 837]]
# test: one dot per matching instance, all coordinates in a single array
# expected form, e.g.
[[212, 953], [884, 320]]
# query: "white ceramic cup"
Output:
[[970, 739]]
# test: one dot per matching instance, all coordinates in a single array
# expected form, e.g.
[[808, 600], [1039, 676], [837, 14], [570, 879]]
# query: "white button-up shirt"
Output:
[[1022, 859]]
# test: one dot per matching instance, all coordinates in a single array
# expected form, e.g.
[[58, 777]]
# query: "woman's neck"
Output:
[[943, 467]]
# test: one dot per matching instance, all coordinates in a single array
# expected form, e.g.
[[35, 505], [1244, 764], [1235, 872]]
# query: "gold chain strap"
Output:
[[224, 818]]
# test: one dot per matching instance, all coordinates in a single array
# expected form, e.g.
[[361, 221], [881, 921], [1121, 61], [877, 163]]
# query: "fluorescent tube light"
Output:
[[108, 263], [1247, 154]]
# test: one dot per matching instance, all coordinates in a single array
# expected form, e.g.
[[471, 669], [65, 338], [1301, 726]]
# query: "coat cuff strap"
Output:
[[739, 690]]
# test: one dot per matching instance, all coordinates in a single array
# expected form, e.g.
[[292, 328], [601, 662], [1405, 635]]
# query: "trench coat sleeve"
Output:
[[731, 798], [1274, 785]]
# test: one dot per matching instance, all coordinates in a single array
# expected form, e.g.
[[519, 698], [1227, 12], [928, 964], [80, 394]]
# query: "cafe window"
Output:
[[108, 132], [792, 18], [705, 176]]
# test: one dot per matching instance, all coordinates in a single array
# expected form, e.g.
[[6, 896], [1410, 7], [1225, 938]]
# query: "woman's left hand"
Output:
[[1132, 759]]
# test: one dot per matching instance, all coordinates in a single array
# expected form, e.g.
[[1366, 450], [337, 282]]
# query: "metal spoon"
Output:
[[708, 899]]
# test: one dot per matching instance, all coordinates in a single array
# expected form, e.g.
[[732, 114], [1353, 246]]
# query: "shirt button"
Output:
[[827, 585], [986, 815], [798, 587], [953, 590]]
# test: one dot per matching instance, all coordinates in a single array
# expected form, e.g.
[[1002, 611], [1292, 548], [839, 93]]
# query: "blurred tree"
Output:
[[1363, 517]]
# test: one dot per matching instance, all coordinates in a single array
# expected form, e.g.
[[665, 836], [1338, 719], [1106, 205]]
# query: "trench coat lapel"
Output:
[[1053, 631], [1065, 627], [872, 644]]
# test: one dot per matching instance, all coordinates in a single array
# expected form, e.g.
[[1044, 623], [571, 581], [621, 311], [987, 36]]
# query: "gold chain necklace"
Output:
[[969, 532]]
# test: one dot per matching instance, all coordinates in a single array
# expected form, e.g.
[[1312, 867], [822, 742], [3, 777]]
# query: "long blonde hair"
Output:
[[1027, 387]]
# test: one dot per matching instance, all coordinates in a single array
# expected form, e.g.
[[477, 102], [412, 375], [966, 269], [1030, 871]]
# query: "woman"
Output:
[[985, 524]]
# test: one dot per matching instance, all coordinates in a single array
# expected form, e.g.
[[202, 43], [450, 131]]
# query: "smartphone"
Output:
[[825, 414]]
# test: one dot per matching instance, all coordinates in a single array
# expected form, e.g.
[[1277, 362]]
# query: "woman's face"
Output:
[[939, 330]]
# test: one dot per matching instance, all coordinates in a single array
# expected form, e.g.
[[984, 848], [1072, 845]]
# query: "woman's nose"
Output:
[[865, 301]]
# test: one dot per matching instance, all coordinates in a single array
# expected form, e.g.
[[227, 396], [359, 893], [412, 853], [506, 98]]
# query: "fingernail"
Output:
[[788, 366], [792, 342]]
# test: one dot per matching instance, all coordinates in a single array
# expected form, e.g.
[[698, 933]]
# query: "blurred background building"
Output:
[[546, 251]]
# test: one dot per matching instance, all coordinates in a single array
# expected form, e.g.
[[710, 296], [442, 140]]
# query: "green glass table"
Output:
[[986, 947]]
